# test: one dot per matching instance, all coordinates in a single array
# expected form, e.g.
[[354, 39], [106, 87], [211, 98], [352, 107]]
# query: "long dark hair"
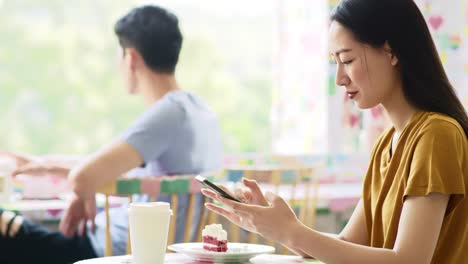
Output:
[[401, 24]]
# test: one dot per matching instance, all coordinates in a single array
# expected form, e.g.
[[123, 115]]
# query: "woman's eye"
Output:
[[347, 62]]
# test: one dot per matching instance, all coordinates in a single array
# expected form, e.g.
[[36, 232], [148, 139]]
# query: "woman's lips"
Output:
[[351, 95]]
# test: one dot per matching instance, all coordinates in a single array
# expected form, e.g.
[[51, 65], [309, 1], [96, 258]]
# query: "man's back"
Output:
[[178, 134]]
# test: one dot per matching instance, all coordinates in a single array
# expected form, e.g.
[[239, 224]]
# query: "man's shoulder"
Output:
[[166, 106]]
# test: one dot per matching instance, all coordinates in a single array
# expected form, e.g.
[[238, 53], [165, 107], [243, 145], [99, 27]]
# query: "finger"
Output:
[[93, 225], [21, 170], [241, 219], [252, 185], [239, 193], [227, 190], [248, 197], [90, 208], [30, 169], [237, 207], [223, 212], [73, 226], [234, 206], [209, 193], [64, 226], [255, 189], [16, 172], [20, 161], [270, 196], [64, 221], [69, 224], [236, 192], [82, 227]]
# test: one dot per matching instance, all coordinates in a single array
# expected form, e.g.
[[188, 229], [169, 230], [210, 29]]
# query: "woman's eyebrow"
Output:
[[337, 53]]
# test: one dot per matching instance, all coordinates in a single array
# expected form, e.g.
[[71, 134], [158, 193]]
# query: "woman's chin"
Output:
[[365, 105]]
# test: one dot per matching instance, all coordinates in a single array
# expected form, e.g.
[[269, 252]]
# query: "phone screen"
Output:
[[215, 188]]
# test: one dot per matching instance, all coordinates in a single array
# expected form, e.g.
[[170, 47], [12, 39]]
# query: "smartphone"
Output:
[[215, 188]]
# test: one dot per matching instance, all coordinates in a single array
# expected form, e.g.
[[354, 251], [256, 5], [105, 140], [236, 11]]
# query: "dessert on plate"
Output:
[[214, 238]]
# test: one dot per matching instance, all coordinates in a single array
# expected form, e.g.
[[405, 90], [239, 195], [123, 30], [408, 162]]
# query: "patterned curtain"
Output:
[[299, 97]]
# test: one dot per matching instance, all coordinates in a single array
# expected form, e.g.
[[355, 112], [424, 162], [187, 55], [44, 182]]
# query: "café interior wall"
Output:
[[310, 114]]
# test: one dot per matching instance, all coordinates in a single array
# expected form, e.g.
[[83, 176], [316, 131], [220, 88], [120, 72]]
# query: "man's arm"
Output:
[[104, 167], [101, 168]]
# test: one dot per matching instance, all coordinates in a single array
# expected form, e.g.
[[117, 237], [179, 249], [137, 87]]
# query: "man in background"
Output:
[[177, 134]]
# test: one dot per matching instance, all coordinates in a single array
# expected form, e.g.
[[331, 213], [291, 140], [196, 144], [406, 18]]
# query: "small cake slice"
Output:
[[214, 238]]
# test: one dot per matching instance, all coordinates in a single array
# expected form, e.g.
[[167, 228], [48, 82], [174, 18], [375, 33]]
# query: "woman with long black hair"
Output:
[[413, 207]]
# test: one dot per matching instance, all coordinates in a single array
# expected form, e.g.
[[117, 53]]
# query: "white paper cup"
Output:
[[149, 228]]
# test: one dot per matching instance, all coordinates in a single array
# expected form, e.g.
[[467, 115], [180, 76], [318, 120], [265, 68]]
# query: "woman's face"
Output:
[[368, 74]]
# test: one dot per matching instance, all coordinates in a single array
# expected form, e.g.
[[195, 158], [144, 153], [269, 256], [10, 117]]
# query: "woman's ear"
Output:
[[393, 58]]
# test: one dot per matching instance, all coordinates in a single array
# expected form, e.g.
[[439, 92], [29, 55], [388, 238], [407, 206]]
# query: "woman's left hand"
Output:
[[272, 222]]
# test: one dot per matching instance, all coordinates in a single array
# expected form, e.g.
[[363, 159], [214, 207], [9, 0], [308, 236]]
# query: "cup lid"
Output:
[[151, 206]]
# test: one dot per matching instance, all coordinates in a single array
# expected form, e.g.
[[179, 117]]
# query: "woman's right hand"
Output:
[[251, 195]]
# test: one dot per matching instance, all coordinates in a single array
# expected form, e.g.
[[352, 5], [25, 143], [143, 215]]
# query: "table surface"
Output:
[[177, 258]]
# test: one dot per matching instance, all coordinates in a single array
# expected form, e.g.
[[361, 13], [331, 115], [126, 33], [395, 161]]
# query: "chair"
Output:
[[153, 186]]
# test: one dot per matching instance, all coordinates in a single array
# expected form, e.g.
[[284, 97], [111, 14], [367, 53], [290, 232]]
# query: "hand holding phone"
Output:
[[215, 188]]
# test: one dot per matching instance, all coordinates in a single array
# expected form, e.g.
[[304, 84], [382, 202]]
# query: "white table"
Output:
[[177, 258]]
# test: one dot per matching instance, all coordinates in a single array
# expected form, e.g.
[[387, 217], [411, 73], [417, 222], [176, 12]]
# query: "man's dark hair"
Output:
[[154, 32]]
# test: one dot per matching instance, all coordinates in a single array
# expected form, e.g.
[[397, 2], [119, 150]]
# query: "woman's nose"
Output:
[[341, 78]]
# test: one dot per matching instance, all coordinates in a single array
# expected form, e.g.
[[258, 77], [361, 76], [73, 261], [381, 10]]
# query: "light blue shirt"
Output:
[[177, 135]]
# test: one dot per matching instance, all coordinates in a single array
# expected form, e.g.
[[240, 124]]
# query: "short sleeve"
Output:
[[437, 163], [153, 132]]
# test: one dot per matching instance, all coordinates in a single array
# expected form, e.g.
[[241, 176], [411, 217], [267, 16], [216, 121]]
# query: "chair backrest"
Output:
[[154, 186]]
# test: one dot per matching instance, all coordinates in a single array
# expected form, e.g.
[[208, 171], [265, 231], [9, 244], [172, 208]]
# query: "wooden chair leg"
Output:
[[303, 212], [212, 217], [108, 248], [234, 233], [314, 200], [189, 220], [204, 214], [284, 250], [253, 238], [172, 228], [129, 242]]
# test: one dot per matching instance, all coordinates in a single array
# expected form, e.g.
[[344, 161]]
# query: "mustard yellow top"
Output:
[[431, 156]]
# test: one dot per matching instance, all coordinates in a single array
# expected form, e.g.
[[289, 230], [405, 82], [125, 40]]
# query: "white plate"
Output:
[[277, 259], [237, 252]]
